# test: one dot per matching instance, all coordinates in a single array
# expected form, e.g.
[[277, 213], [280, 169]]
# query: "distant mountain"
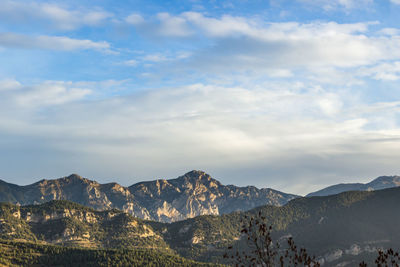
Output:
[[381, 182], [341, 230], [195, 193]]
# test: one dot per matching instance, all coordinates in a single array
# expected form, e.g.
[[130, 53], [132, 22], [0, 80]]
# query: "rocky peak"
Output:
[[196, 176], [196, 173], [75, 178], [67, 181], [70, 179]]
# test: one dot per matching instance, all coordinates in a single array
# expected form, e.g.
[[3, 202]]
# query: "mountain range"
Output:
[[341, 230], [193, 194]]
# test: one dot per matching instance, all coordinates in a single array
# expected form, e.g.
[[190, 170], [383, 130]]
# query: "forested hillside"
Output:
[[33, 254]]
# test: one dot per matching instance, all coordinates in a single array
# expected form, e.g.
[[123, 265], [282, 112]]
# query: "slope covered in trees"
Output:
[[33, 254]]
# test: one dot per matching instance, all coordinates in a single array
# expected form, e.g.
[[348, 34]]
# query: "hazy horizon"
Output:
[[291, 95]]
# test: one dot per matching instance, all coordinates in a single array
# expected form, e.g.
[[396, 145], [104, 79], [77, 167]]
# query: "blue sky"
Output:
[[294, 95]]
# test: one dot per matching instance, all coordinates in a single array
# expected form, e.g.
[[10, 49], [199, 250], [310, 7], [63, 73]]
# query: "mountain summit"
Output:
[[192, 194]]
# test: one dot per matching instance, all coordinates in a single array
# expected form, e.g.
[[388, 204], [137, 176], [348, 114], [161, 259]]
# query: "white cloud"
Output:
[[334, 4], [51, 15], [389, 71], [223, 27], [162, 25], [9, 84], [154, 58], [40, 95], [330, 104], [60, 43], [134, 19], [172, 26], [51, 95], [243, 116], [305, 132], [397, 2], [390, 31], [149, 59], [242, 44]]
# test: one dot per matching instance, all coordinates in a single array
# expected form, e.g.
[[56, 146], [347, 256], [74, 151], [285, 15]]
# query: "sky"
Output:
[[294, 95]]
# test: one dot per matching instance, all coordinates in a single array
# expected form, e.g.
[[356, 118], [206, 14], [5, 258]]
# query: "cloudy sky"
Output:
[[289, 94]]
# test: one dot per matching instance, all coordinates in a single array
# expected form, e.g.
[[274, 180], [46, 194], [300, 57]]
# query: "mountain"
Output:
[[193, 194], [341, 229], [381, 182], [61, 233], [69, 223], [197, 193]]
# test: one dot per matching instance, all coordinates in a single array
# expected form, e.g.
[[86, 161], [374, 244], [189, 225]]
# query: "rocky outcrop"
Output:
[[61, 222], [195, 193]]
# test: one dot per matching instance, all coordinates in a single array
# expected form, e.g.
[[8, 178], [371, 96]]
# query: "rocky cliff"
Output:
[[195, 193], [68, 223]]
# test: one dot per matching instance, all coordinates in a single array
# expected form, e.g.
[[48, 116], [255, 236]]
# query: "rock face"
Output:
[[68, 223], [381, 182], [190, 195]]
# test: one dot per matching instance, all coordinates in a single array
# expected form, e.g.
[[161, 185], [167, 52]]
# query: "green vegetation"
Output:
[[11, 226], [28, 254]]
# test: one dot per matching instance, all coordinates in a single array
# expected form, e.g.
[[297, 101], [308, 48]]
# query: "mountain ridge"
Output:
[[381, 182], [192, 194]]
